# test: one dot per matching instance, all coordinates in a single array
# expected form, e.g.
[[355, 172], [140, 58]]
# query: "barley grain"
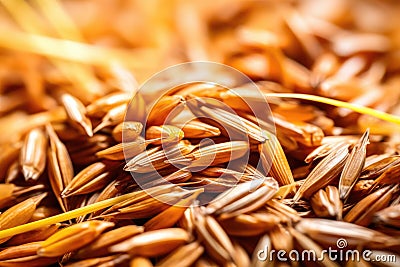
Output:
[[104, 104], [100, 246], [184, 256], [19, 214], [72, 238], [164, 134], [140, 262], [327, 204], [27, 249], [113, 117], [33, 236], [33, 154], [274, 160], [364, 210], [324, 173], [312, 67], [198, 129], [76, 112], [389, 216], [163, 108], [153, 243], [127, 130], [353, 167]]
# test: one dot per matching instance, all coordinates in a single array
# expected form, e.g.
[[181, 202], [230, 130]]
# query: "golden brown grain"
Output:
[[217, 154], [328, 231], [140, 262], [326, 203], [72, 238], [163, 134], [213, 247], [100, 246], [198, 129], [364, 210], [326, 171], [389, 215], [34, 236], [170, 216], [104, 104], [76, 112], [28, 249], [113, 117], [122, 150], [163, 108], [60, 167], [153, 243], [231, 123], [127, 131], [192, 160], [19, 214], [33, 154], [29, 261], [353, 167], [252, 224], [274, 160], [183, 256]]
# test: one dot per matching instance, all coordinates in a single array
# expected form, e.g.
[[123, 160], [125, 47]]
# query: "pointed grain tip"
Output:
[[30, 174], [41, 252], [296, 198], [64, 194], [364, 140], [88, 130], [101, 126], [37, 199], [342, 194]]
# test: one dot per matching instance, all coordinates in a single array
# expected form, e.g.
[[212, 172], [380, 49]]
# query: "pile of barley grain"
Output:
[[67, 72]]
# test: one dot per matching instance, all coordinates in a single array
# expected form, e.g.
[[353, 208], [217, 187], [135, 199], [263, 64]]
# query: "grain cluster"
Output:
[[195, 178]]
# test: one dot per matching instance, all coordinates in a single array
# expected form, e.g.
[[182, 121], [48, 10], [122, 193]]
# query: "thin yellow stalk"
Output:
[[65, 216], [360, 109]]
